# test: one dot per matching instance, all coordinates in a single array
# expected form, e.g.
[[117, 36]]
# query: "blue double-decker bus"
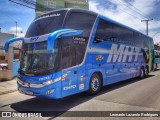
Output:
[[70, 51], [156, 59]]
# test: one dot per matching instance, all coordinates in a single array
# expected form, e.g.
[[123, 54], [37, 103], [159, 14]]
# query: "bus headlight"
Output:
[[51, 81], [48, 82], [38, 85]]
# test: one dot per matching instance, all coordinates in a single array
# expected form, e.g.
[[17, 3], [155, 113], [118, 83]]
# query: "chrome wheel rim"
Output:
[[142, 73], [95, 84]]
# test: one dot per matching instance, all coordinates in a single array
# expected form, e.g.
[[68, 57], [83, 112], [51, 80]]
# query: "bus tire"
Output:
[[146, 71], [156, 66], [95, 84], [142, 73]]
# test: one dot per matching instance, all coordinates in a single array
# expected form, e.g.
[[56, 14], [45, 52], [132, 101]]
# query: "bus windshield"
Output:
[[46, 23], [36, 59]]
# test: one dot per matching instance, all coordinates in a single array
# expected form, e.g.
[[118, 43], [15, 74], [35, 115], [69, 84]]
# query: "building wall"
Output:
[[13, 53], [75, 5], [3, 57], [15, 66], [3, 38], [58, 4]]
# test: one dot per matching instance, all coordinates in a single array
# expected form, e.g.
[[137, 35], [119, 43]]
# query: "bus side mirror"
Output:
[[6, 46], [59, 34]]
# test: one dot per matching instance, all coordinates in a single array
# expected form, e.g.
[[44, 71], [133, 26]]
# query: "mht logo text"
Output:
[[122, 52]]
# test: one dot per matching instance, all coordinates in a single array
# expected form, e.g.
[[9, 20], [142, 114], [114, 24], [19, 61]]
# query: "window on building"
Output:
[[2, 57], [50, 4], [16, 54]]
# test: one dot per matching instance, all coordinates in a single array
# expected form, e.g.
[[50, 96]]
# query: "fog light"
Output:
[[50, 91]]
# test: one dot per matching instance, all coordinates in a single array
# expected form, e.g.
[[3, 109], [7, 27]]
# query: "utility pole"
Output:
[[146, 24], [16, 28]]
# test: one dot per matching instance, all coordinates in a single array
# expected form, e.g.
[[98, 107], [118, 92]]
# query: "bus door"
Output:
[[69, 71]]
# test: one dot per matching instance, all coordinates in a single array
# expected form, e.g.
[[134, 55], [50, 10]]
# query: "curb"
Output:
[[6, 92]]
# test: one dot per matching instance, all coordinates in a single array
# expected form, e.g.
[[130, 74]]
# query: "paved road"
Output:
[[130, 95]]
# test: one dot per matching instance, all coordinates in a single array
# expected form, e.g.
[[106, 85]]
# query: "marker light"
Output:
[[50, 91]]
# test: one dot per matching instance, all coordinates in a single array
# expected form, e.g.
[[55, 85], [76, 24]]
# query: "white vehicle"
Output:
[[4, 66]]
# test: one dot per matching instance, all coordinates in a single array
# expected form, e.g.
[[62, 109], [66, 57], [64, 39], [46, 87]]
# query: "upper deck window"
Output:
[[80, 21], [46, 23], [104, 31]]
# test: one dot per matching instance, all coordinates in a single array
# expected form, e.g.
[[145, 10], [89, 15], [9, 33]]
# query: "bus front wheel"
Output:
[[95, 84]]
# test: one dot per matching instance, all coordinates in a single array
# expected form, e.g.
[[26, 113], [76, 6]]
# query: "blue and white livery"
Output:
[[69, 51]]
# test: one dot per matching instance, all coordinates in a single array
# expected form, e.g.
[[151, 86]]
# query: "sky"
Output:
[[130, 13], [10, 13], [127, 12]]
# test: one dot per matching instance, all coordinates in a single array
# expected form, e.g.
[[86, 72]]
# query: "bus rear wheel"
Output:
[[95, 84], [142, 73], [146, 71], [155, 66]]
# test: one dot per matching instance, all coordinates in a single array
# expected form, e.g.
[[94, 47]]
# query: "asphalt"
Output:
[[8, 86], [130, 95]]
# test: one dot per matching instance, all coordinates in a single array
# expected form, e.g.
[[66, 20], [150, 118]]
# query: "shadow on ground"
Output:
[[157, 69], [55, 108]]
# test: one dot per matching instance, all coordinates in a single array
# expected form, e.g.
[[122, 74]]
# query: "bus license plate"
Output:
[[29, 92]]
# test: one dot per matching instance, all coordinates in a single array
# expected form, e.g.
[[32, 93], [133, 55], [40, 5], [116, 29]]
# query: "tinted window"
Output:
[[80, 21], [138, 39], [107, 31], [68, 52], [118, 33], [74, 47], [104, 31], [46, 24], [73, 50], [122, 35], [80, 47], [157, 54]]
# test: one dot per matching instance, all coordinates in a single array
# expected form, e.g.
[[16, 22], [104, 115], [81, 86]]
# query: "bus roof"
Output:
[[69, 9], [95, 14]]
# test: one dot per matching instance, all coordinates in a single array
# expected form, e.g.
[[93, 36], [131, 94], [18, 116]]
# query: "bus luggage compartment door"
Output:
[[69, 81]]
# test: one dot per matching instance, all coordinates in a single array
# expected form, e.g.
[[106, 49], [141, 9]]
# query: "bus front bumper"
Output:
[[48, 91]]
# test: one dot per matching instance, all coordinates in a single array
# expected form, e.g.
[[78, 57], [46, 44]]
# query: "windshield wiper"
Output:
[[42, 72]]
